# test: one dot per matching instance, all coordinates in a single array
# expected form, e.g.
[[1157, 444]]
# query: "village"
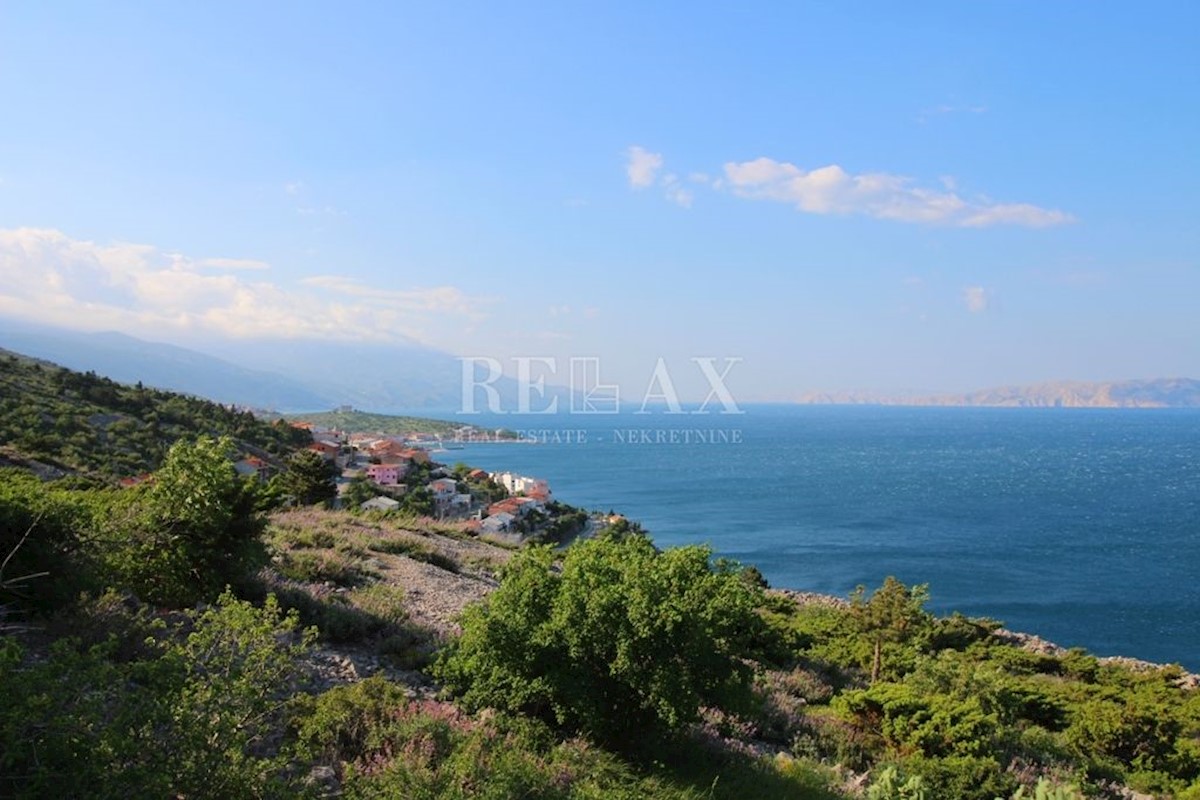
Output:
[[397, 474]]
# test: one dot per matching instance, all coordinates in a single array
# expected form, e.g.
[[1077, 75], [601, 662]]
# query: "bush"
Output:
[[318, 566], [626, 639], [417, 551], [194, 530], [43, 544], [186, 716]]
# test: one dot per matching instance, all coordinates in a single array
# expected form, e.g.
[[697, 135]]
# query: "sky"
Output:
[[937, 196]]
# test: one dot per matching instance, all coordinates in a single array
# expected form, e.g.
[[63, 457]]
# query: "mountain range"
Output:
[[279, 375], [295, 376], [1150, 393]]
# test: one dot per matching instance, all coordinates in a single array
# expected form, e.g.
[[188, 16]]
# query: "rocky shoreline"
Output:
[[1026, 641]]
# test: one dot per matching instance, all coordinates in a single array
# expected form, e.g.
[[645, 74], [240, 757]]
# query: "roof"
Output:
[[381, 504]]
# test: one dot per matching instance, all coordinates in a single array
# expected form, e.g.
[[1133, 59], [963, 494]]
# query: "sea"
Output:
[[1079, 525]]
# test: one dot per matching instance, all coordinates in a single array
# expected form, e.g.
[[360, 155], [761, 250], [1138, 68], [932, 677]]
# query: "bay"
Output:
[[1079, 525]]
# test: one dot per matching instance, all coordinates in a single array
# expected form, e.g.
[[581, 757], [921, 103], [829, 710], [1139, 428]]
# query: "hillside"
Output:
[[216, 643], [163, 366], [1153, 393], [56, 421], [389, 425], [284, 375]]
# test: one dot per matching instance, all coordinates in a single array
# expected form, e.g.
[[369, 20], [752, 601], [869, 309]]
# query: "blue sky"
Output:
[[935, 196]]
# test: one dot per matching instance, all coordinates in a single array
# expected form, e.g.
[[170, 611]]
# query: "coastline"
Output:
[[1026, 641]]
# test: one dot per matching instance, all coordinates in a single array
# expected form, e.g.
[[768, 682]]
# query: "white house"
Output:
[[380, 504], [497, 523], [521, 484]]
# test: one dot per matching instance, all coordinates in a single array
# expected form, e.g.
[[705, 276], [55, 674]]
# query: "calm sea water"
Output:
[[1082, 526]]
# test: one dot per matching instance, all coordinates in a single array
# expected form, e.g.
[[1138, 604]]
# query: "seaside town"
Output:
[[396, 473]]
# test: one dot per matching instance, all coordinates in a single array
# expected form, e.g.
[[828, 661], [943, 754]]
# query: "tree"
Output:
[[892, 614], [625, 640], [195, 529], [359, 491], [310, 478], [418, 502]]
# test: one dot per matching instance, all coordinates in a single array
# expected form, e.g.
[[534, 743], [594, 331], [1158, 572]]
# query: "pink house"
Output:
[[386, 474]]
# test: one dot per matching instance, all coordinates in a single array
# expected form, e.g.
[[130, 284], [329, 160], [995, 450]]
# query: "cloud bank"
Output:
[[832, 190], [47, 276]]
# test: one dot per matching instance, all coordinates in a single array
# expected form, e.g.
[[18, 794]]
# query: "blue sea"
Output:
[[1079, 525]]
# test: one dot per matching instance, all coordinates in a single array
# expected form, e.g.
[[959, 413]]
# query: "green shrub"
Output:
[[44, 541], [194, 530], [418, 551], [318, 566], [339, 620], [625, 639], [890, 784], [187, 716], [302, 538]]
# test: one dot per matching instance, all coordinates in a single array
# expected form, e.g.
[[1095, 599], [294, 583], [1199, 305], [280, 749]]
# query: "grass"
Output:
[[322, 566], [418, 551]]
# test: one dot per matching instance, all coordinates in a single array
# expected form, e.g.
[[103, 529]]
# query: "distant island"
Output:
[[1152, 393]]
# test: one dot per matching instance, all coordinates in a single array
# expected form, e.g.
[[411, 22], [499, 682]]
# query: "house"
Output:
[[519, 507], [520, 484], [540, 493], [443, 488], [380, 504], [497, 523], [416, 455], [393, 451], [328, 450], [386, 474], [253, 467], [477, 475]]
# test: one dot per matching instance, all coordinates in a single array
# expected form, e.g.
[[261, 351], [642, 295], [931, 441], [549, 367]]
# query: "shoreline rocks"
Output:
[[1026, 641]]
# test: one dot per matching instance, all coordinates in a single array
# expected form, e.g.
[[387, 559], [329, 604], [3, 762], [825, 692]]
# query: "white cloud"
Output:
[[977, 299], [1023, 214], [438, 299], [50, 277], [675, 192], [832, 190], [642, 166], [294, 187]]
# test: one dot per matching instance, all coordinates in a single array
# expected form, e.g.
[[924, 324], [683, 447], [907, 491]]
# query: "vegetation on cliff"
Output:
[[348, 419], [77, 422]]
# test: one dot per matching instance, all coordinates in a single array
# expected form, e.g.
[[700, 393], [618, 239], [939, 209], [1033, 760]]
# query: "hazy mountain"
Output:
[[282, 375], [163, 366], [1153, 393]]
